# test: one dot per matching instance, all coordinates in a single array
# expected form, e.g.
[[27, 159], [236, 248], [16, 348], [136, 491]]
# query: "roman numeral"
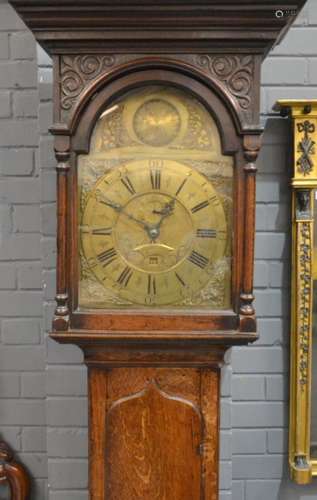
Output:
[[206, 233], [181, 187], [102, 231], [151, 285], [200, 206], [182, 282], [214, 200], [128, 184], [125, 276], [198, 259], [222, 234], [155, 179], [107, 257]]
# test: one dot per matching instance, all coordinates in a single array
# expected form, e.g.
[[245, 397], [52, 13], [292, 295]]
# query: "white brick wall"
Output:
[[41, 409]]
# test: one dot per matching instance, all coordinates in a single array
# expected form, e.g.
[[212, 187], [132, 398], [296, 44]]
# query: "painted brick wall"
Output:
[[22, 353], [43, 385], [261, 373]]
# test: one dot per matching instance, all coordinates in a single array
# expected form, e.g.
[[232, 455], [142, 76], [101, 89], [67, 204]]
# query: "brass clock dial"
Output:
[[155, 206], [151, 231]]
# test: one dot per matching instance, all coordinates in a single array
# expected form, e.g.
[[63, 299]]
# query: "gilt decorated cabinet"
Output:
[[156, 125]]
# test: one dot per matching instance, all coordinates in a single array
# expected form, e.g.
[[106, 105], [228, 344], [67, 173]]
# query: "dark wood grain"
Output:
[[210, 401], [152, 438], [98, 406], [158, 433], [62, 313], [132, 25], [251, 150]]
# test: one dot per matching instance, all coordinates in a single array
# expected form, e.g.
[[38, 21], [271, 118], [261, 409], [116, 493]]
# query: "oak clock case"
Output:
[[156, 125], [155, 206], [157, 195]]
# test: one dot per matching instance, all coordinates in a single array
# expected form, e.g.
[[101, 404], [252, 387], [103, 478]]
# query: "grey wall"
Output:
[[22, 352], [43, 407], [261, 373]]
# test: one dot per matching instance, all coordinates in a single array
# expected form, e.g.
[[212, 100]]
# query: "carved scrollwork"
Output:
[[306, 147], [304, 299], [76, 73], [235, 71], [303, 214]]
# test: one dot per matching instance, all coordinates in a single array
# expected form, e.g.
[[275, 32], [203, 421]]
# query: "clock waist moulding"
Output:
[[156, 125]]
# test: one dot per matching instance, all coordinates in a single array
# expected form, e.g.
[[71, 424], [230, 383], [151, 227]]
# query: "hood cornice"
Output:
[[246, 26]]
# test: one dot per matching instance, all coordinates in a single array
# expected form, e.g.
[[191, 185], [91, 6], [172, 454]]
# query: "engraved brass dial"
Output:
[[151, 231], [155, 206]]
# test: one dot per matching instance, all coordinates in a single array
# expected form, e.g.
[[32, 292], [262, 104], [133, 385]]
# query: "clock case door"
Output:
[[213, 325]]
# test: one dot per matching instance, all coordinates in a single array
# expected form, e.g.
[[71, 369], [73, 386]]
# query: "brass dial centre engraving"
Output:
[[157, 122], [153, 230]]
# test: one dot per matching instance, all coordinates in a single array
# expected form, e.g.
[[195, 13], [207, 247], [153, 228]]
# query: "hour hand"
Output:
[[166, 210]]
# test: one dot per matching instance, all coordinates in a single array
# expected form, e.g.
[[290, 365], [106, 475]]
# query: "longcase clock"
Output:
[[156, 111]]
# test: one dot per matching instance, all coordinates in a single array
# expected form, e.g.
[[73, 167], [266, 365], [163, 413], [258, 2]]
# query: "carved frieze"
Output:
[[236, 72], [304, 285], [304, 298], [77, 72]]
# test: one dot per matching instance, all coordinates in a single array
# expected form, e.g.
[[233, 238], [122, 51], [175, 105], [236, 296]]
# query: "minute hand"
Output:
[[138, 221], [119, 208]]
